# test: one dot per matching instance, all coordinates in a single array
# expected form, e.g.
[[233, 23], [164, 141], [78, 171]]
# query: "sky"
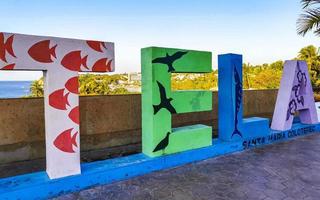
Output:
[[262, 31]]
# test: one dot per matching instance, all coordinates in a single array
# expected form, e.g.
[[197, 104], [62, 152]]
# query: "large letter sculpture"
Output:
[[295, 94], [159, 102], [61, 60], [231, 125]]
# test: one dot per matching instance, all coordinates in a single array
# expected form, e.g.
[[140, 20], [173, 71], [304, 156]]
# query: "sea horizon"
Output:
[[14, 89]]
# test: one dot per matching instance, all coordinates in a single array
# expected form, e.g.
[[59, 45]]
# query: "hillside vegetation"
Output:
[[265, 76]]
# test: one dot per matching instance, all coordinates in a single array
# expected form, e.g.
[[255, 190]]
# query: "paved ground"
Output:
[[289, 170]]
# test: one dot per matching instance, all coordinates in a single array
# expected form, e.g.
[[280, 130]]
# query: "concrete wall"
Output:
[[110, 125]]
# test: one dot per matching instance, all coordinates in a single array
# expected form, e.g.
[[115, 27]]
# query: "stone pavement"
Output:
[[287, 170]]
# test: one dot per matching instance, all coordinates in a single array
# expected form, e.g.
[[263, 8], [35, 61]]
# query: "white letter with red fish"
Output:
[[61, 60]]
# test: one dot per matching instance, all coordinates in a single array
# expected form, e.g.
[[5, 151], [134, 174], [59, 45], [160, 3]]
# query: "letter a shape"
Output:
[[295, 94]]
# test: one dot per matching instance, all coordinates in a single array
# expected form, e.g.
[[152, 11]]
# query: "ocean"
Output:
[[14, 89]]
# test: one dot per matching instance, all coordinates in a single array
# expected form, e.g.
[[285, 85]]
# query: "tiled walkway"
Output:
[[288, 170]]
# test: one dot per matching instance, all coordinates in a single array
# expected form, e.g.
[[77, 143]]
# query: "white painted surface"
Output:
[[52, 56]]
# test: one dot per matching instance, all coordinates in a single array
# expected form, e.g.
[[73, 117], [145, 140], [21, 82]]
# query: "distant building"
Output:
[[134, 77]]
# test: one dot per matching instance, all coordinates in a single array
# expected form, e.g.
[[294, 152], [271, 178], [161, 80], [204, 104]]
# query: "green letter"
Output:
[[159, 102]]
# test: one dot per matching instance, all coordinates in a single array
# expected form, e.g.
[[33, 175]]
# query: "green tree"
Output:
[[90, 84], [310, 19], [310, 55], [278, 65], [36, 88], [267, 79], [247, 76]]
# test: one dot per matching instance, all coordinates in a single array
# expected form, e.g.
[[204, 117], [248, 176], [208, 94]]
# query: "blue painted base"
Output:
[[39, 186], [252, 124]]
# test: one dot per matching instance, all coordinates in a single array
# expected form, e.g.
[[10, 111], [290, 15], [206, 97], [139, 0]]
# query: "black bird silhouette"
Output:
[[169, 60], [163, 143], [165, 102]]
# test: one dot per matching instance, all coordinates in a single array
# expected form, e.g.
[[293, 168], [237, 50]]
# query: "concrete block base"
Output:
[[255, 127], [39, 186]]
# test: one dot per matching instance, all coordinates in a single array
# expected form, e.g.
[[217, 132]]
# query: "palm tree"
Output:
[[310, 19], [36, 88], [310, 55]]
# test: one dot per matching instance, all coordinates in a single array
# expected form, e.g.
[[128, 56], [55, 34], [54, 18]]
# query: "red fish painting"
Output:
[[8, 67], [73, 61], [59, 100], [74, 115], [73, 85], [6, 46], [102, 65], [42, 52], [96, 45], [65, 141]]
